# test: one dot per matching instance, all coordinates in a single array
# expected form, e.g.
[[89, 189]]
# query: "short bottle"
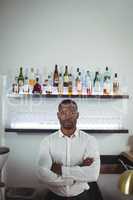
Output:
[[56, 77], [37, 87], [115, 84]]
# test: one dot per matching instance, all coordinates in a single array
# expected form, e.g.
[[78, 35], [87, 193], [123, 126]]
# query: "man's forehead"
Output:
[[70, 106]]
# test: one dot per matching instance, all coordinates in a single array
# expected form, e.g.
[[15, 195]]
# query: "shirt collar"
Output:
[[75, 134]]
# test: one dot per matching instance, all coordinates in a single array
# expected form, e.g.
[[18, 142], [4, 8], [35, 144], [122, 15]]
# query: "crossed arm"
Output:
[[55, 174]]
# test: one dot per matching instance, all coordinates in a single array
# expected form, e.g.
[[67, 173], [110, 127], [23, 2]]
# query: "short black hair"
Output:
[[67, 101]]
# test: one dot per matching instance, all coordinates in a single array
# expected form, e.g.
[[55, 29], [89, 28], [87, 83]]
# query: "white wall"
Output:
[[85, 33]]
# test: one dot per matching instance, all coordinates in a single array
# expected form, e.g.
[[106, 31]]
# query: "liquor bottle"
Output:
[[96, 83], [21, 78], [26, 86], [32, 79], [49, 85], [115, 84], [37, 87], [79, 84], [26, 82], [107, 74], [66, 77], [56, 77], [77, 77], [88, 83], [15, 88], [60, 85], [106, 86], [70, 86]]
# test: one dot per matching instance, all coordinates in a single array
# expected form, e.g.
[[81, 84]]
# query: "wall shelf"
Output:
[[120, 96], [43, 131]]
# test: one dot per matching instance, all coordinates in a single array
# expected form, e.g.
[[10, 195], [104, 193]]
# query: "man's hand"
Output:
[[88, 161], [56, 168]]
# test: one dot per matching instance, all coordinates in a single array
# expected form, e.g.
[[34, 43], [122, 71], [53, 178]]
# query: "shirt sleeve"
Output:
[[45, 175], [85, 173]]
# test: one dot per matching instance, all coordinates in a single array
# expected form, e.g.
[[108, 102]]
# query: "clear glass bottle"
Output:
[[79, 84], [49, 85], [15, 88], [115, 84], [106, 86], [97, 83], [70, 85], [32, 79], [60, 85], [88, 83]]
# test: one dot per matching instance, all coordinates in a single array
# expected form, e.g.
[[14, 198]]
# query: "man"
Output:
[[69, 158]]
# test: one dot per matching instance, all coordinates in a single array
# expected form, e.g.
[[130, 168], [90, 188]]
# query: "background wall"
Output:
[[87, 33]]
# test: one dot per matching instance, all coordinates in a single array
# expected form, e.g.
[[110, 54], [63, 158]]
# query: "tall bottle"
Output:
[[21, 78], [21, 81], [88, 83], [97, 83], [106, 82], [56, 77], [49, 85], [66, 77], [107, 74], [106, 86], [70, 86], [26, 82], [32, 79], [115, 84], [15, 88], [60, 85], [79, 84], [77, 77]]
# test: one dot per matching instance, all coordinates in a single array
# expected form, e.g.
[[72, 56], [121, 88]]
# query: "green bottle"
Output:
[[21, 78]]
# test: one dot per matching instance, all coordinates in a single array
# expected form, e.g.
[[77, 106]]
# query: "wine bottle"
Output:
[[21, 78], [56, 77], [66, 77]]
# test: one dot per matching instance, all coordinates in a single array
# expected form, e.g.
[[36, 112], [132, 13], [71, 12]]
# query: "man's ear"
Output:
[[77, 115]]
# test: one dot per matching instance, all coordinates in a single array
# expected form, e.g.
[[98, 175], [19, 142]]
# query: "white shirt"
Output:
[[70, 152]]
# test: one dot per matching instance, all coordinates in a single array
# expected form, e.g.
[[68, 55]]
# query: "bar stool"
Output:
[[4, 152]]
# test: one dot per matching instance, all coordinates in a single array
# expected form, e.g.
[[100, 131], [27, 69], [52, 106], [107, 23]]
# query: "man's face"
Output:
[[68, 116]]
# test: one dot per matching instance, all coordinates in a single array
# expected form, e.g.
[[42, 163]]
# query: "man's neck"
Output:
[[68, 132]]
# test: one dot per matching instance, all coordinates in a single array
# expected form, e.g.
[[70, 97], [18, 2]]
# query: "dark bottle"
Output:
[[37, 87], [21, 78], [56, 77], [66, 77]]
